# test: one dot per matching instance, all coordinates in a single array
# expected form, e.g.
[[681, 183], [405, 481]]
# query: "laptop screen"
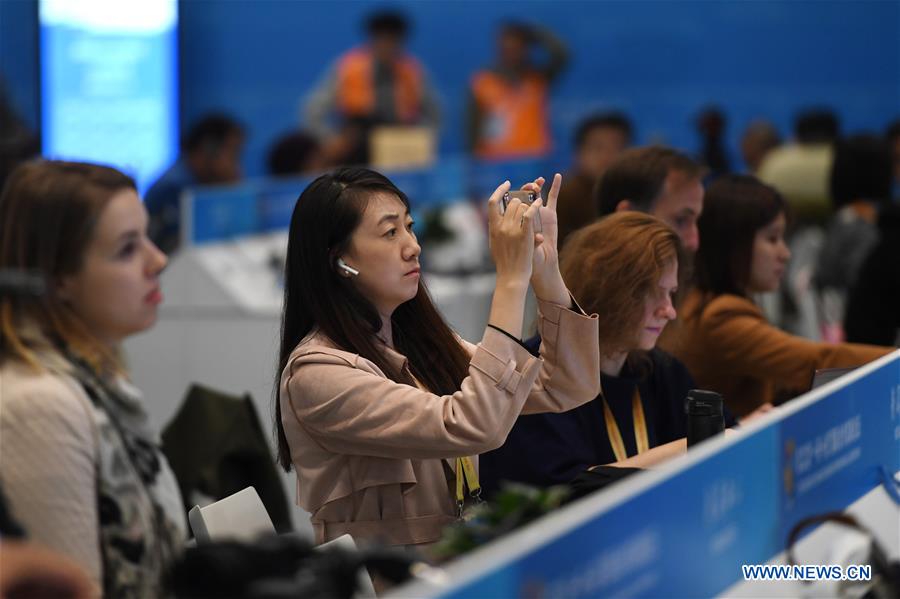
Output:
[[826, 375]]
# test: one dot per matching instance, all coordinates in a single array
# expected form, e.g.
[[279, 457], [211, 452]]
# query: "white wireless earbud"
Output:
[[347, 269]]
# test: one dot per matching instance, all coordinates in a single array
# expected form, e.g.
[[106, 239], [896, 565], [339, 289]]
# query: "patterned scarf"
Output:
[[138, 498]]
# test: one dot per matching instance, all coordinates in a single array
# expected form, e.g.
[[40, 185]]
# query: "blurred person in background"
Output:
[[726, 341], [82, 471], [508, 102], [210, 155], [893, 138], [759, 138], [664, 183], [873, 304], [377, 83], [657, 180], [860, 183], [710, 125], [294, 154], [800, 170], [599, 140]]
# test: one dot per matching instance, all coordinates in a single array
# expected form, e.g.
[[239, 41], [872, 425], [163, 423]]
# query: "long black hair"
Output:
[[316, 296]]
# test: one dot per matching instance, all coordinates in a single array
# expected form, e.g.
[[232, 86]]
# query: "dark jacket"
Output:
[[549, 449], [873, 307], [216, 446]]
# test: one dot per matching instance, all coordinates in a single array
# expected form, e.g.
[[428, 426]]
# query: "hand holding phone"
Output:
[[527, 198]]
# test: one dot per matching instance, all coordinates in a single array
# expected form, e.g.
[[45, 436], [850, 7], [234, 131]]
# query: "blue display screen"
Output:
[[109, 84]]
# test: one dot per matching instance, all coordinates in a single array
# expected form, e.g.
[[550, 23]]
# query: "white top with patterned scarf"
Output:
[[85, 477]]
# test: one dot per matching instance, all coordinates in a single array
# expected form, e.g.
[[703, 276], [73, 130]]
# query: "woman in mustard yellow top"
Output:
[[727, 344]]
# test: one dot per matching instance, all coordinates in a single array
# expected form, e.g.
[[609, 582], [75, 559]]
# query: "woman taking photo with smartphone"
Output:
[[728, 345], [83, 473], [382, 409]]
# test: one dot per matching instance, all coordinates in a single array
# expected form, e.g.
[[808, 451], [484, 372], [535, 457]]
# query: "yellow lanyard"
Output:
[[465, 472], [640, 428], [465, 469]]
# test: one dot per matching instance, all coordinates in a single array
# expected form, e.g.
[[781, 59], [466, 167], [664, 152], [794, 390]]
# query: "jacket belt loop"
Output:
[[507, 380]]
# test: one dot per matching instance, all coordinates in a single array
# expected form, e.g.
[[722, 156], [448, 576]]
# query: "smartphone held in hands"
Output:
[[526, 197]]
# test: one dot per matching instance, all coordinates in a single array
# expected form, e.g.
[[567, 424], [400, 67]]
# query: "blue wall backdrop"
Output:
[[659, 61], [19, 57]]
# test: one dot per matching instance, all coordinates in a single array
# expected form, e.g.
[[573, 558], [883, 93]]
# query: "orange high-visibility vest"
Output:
[[356, 85], [514, 116]]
